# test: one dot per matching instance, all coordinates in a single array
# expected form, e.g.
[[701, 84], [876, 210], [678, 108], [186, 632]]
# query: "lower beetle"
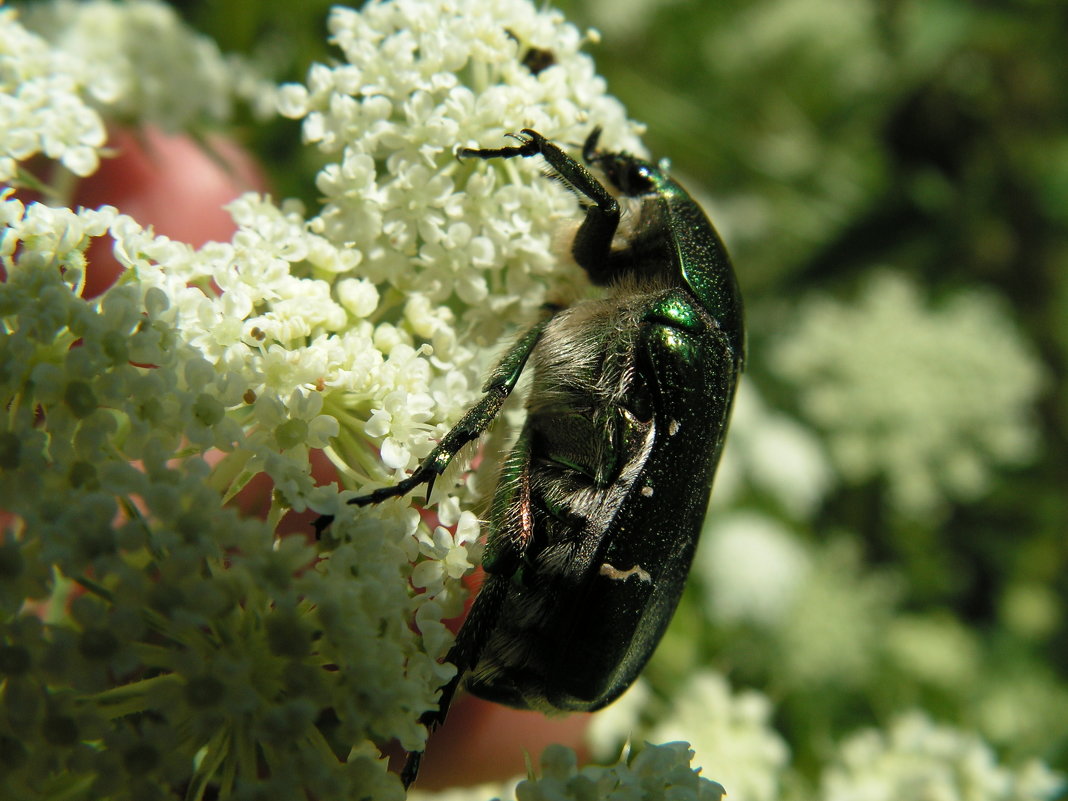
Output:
[[600, 503]]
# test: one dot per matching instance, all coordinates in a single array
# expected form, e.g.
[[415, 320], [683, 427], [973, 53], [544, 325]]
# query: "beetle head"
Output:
[[629, 174]]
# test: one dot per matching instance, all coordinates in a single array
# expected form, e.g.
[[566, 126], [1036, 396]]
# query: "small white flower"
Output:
[[447, 554], [402, 417], [358, 296]]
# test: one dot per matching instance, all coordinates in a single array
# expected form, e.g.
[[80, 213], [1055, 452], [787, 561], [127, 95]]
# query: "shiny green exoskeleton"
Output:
[[598, 509]]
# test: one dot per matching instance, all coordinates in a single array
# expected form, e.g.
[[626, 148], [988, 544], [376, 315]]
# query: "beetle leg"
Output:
[[497, 389], [471, 426], [505, 547], [531, 146], [411, 768], [593, 241], [464, 654]]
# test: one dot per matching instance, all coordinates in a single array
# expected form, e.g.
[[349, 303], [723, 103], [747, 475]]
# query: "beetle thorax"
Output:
[[587, 350]]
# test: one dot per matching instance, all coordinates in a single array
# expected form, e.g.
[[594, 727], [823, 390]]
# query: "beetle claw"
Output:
[[411, 768]]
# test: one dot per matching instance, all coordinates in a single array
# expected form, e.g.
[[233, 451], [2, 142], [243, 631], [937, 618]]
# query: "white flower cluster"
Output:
[[731, 735], [420, 80], [824, 615], [64, 63], [654, 771], [919, 759], [752, 568], [448, 256], [771, 454], [931, 399], [141, 61], [43, 108], [936, 650], [104, 474], [832, 634]]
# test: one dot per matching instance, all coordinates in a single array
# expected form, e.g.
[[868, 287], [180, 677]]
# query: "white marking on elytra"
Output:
[[673, 428], [622, 575], [647, 492]]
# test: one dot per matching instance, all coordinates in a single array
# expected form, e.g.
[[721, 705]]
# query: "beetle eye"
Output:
[[636, 179]]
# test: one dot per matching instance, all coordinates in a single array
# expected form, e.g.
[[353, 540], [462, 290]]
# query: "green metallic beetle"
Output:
[[600, 503]]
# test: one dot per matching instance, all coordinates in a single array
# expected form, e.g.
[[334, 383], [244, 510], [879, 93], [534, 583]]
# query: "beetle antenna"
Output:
[[589, 147]]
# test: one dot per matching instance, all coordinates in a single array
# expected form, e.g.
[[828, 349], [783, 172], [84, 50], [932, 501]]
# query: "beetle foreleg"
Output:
[[593, 242]]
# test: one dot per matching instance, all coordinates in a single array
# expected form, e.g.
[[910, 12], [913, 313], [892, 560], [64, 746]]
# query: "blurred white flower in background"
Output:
[[915, 758], [731, 734], [930, 397], [772, 454], [752, 568]]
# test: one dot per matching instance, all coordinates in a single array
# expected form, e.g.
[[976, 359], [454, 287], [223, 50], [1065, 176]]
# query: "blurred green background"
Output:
[[892, 180]]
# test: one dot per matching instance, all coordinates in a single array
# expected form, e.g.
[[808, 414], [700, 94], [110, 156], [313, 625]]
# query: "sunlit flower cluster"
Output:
[[774, 455], [127, 52], [115, 489], [817, 609], [42, 103], [753, 569], [833, 632]]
